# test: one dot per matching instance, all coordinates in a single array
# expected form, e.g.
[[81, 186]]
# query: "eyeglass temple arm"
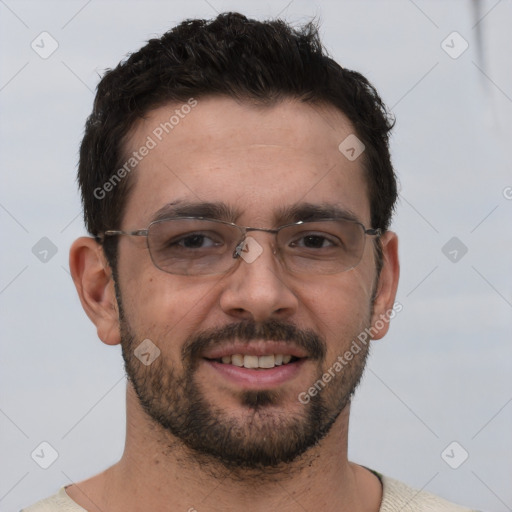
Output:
[[114, 232]]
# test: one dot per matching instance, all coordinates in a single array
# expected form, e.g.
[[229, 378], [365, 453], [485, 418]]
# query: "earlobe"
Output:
[[95, 286], [383, 306]]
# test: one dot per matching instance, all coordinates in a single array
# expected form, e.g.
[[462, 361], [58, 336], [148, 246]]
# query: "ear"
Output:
[[384, 307], [94, 283]]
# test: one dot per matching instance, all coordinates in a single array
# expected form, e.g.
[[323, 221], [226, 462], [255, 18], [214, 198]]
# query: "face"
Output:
[[256, 165]]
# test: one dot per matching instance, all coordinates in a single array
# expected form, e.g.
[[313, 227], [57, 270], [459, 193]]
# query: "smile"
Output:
[[257, 362]]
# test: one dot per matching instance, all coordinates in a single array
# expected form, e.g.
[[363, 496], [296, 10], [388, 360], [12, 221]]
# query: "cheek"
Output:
[[166, 308], [340, 309]]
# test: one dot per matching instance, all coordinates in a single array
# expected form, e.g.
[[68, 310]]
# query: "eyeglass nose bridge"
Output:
[[240, 246]]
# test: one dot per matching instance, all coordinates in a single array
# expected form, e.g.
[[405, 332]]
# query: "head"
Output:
[[243, 121]]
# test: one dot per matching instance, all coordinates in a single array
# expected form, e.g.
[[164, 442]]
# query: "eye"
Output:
[[314, 241], [195, 241]]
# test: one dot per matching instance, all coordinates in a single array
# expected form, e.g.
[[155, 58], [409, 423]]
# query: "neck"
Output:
[[158, 472]]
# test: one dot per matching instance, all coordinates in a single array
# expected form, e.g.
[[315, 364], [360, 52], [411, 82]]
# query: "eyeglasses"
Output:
[[200, 246]]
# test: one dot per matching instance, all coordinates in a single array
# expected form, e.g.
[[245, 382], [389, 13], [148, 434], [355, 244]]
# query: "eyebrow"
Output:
[[182, 208], [312, 212], [284, 215]]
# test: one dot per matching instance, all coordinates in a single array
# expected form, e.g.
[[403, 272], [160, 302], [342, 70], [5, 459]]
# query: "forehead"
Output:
[[257, 160]]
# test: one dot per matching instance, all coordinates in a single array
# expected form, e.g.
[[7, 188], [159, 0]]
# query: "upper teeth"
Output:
[[257, 361]]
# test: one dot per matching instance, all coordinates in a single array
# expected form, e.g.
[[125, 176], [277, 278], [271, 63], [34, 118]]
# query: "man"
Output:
[[238, 186]]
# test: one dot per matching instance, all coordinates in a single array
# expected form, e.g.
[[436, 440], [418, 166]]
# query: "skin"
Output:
[[256, 160]]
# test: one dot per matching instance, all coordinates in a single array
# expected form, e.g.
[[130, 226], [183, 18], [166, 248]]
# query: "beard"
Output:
[[265, 435]]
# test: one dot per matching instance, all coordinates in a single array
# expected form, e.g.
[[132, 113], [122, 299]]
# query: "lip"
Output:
[[252, 379], [255, 348]]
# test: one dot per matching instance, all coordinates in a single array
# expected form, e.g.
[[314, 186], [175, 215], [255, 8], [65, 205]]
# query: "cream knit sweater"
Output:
[[396, 497]]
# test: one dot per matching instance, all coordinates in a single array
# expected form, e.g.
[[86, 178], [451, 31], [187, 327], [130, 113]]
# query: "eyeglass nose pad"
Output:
[[239, 248]]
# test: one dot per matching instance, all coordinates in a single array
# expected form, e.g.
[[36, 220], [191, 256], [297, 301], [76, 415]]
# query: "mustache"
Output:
[[272, 330]]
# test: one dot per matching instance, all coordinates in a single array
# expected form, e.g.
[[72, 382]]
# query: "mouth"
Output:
[[256, 365], [255, 362]]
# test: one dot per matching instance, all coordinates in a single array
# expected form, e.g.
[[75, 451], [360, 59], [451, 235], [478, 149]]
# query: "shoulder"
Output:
[[59, 502], [397, 496]]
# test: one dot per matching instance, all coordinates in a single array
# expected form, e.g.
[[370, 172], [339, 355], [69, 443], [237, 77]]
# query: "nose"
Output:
[[258, 288]]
